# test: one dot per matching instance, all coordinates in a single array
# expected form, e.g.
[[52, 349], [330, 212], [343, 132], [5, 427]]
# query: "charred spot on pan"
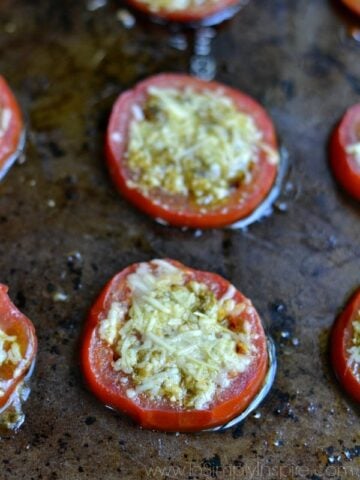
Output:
[[75, 266], [54, 350], [227, 245], [320, 64], [55, 150], [283, 408], [90, 420], [238, 432], [213, 464], [50, 287], [142, 244], [354, 82], [75, 262], [288, 88], [20, 300]]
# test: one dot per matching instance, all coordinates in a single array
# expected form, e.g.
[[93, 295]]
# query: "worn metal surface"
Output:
[[64, 228]]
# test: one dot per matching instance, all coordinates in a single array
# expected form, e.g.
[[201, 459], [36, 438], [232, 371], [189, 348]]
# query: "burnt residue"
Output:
[[90, 420], [212, 465], [238, 431], [283, 406], [67, 64], [75, 265]]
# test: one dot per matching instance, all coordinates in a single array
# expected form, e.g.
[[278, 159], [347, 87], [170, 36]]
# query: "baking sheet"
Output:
[[64, 231]]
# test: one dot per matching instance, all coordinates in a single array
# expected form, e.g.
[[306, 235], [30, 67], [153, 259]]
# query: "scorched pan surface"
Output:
[[64, 231]]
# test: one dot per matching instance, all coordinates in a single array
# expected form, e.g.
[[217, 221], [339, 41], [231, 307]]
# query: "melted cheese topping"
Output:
[[174, 5], [192, 144], [173, 340], [9, 349], [354, 149], [354, 350]]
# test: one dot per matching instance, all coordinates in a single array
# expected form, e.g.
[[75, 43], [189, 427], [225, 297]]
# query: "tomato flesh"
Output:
[[14, 323], [341, 338], [11, 136], [105, 382], [344, 165], [187, 15], [179, 210]]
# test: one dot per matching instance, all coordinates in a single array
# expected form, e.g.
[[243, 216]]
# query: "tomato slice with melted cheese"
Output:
[[176, 349], [191, 153], [18, 345]]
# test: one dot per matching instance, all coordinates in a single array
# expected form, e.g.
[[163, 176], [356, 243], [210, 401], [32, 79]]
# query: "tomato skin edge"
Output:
[[338, 345], [189, 15], [158, 419], [340, 161], [236, 209], [11, 144]]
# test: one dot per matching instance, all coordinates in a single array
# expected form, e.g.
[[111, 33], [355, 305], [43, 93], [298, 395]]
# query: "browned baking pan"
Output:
[[65, 230]]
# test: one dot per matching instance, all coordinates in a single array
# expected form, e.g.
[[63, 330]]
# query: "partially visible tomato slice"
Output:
[[344, 162], [354, 5], [347, 372], [108, 385], [11, 127], [190, 14], [15, 325], [180, 210]]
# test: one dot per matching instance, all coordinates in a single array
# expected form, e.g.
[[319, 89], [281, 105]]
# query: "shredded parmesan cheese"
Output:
[[192, 144], [9, 349], [354, 350], [173, 340], [354, 149]]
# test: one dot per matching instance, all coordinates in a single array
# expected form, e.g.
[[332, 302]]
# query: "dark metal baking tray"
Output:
[[64, 229]]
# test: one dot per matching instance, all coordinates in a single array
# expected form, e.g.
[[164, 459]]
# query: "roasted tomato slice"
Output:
[[18, 347], [345, 151], [345, 347], [354, 5], [191, 153], [177, 349], [11, 128], [188, 11]]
